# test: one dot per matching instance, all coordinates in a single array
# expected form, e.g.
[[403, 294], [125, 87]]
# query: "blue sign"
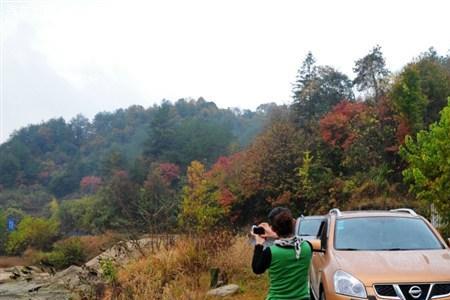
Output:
[[11, 224]]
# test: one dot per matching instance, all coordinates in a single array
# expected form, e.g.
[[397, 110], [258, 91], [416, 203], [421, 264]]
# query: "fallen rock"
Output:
[[223, 291]]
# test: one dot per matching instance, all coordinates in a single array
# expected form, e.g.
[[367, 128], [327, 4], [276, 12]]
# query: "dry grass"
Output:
[[182, 272], [96, 244], [11, 261], [236, 262]]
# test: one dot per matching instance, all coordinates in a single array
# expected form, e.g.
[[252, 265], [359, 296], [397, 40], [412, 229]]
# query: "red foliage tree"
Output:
[[169, 172], [339, 127], [226, 198], [90, 184]]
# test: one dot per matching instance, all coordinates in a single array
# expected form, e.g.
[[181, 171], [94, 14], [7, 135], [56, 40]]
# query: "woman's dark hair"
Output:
[[281, 220]]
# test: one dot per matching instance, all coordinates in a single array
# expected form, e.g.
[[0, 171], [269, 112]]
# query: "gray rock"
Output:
[[223, 291], [41, 283], [122, 252]]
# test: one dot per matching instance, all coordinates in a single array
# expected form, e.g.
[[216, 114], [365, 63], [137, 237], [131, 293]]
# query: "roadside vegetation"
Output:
[[183, 271]]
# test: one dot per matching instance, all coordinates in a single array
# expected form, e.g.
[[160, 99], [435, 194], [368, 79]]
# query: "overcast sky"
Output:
[[61, 58]]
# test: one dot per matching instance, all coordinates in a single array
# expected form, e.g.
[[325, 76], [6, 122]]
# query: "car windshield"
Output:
[[384, 233], [309, 227]]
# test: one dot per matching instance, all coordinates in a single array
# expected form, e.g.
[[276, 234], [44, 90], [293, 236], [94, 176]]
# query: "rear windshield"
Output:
[[309, 227], [384, 233]]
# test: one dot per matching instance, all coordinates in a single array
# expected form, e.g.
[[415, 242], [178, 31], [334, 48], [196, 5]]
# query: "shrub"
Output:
[[71, 251], [33, 232], [109, 270], [68, 252]]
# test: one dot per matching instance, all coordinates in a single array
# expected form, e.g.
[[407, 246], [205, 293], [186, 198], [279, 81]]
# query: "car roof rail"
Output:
[[335, 211], [405, 210]]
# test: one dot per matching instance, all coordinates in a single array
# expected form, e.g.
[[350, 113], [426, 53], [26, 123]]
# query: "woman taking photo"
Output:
[[287, 260]]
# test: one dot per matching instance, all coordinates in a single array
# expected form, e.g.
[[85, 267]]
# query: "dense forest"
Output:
[[375, 141], [63, 159]]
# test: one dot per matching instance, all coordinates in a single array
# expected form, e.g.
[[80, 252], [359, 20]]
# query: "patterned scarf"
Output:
[[291, 242]]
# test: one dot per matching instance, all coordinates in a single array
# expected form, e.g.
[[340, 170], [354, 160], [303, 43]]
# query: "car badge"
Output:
[[415, 292]]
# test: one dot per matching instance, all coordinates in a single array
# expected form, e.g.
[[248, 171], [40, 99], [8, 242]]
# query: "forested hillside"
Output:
[[192, 166], [62, 159]]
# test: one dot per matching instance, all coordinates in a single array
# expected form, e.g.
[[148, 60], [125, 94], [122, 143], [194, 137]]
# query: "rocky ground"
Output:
[[42, 283], [38, 283]]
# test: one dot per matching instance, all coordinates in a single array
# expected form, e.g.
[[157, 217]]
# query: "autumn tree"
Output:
[[227, 176], [363, 134], [90, 184], [269, 169], [340, 127], [200, 209], [158, 199]]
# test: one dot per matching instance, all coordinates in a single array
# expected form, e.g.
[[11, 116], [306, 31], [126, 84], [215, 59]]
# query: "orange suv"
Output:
[[394, 255]]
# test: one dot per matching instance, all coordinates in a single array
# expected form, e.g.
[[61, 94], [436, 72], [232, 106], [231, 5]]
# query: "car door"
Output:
[[318, 260]]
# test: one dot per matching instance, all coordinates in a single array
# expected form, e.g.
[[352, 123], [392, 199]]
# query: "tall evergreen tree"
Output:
[[317, 89], [371, 73], [162, 131]]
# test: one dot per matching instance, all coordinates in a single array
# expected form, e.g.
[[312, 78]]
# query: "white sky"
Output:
[[60, 58]]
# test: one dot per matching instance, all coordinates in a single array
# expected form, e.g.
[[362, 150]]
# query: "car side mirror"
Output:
[[316, 246]]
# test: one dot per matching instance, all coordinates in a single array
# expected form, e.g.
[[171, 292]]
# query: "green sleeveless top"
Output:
[[288, 275]]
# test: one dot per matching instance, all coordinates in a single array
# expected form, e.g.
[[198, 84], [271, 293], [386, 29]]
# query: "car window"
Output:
[[384, 233], [309, 227]]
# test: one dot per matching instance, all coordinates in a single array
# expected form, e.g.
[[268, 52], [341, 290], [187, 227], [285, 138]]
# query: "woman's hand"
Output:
[[258, 239], [269, 233]]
